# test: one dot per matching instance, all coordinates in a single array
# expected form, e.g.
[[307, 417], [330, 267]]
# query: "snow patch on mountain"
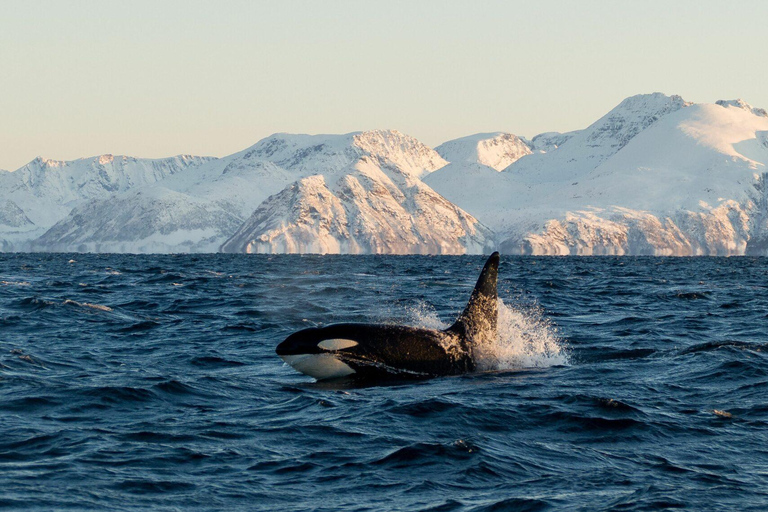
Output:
[[494, 150]]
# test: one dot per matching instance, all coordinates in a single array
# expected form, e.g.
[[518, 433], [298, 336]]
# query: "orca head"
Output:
[[314, 353]]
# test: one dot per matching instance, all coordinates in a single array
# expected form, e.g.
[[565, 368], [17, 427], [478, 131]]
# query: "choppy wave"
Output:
[[615, 384], [90, 305]]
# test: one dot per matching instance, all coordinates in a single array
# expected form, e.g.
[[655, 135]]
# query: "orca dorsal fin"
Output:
[[479, 319]]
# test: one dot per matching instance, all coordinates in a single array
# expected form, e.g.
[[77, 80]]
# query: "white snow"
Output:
[[375, 176], [656, 175], [46, 190], [494, 150], [374, 206], [654, 166]]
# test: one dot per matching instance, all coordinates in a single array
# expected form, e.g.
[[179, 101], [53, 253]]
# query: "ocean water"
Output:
[[151, 383]]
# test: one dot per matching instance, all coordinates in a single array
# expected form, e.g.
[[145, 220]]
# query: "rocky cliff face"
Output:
[[722, 231]]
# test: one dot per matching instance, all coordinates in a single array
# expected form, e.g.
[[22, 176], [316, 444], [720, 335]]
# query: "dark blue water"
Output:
[[150, 382]]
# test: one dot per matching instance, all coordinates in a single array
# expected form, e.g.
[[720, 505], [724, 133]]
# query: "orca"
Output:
[[373, 351]]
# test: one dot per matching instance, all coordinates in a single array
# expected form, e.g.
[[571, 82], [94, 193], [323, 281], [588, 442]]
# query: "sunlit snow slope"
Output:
[[36, 196], [383, 206], [655, 175]]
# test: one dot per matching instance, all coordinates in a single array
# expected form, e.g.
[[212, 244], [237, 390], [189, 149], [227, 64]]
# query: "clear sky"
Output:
[[162, 77]]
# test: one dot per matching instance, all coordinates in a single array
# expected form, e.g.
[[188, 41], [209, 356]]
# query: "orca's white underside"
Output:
[[319, 366]]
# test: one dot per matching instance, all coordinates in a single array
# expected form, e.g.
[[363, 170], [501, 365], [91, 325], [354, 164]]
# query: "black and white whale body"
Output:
[[370, 351]]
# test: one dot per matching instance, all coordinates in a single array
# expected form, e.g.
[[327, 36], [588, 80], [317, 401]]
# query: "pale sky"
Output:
[[162, 77]]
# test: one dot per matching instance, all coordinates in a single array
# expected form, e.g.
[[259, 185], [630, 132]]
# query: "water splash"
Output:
[[423, 314], [525, 338]]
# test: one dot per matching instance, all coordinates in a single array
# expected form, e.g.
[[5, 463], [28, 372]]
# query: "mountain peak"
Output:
[[325, 153], [41, 162], [408, 153], [633, 115], [653, 101], [580, 152], [496, 150], [739, 103]]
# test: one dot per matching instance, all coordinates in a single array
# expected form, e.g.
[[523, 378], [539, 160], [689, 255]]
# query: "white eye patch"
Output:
[[336, 344]]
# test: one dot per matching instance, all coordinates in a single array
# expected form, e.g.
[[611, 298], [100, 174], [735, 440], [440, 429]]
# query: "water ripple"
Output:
[[150, 382]]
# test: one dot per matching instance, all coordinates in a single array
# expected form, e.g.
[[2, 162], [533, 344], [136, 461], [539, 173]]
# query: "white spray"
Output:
[[525, 339]]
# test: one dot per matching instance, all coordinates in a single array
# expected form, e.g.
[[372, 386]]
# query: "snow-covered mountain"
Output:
[[41, 193], [371, 208], [556, 159], [148, 220], [202, 208], [372, 202], [192, 211], [656, 175], [588, 148], [495, 150]]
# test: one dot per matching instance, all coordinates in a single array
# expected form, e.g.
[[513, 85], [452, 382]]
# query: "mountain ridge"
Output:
[[655, 175]]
